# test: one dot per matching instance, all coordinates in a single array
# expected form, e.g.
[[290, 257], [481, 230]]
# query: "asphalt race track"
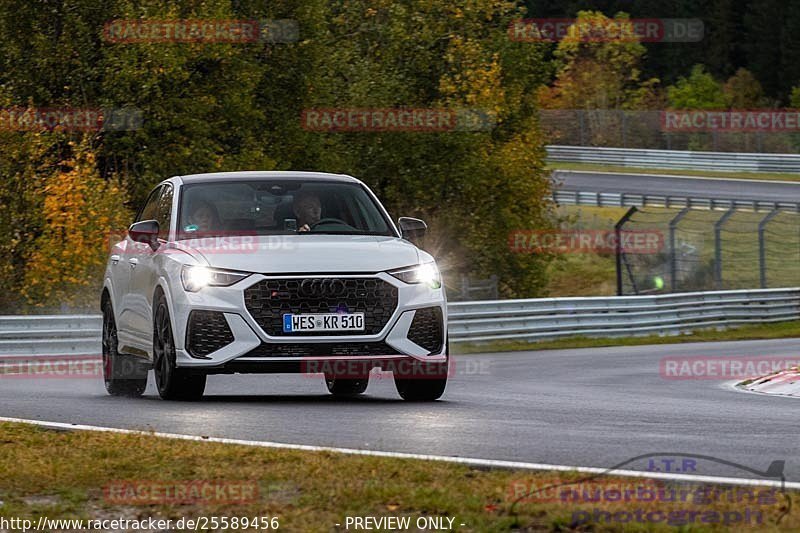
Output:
[[677, 186], [590, 407]]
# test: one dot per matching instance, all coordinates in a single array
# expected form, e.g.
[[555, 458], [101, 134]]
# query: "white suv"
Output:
[[271, 272]]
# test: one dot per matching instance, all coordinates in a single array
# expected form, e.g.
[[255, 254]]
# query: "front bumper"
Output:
[[254, 350]]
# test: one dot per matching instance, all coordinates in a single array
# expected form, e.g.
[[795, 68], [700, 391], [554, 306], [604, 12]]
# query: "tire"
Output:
[[426, 389], [123, 375], [346, 387], [173, 383]]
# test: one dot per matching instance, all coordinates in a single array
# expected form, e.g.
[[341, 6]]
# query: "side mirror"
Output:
[[145, 231], [412, 229]]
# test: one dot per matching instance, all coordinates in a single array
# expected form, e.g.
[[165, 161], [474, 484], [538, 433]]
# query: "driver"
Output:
[[308, 210]]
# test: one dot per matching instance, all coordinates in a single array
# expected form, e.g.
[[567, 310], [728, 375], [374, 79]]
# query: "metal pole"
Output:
[[762, 254], [718, 247], [673, 258], [617, 233]]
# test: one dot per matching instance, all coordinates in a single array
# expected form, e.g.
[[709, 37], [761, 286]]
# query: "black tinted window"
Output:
[[279, 207]]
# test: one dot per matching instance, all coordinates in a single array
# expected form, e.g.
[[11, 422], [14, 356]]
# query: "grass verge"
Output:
[[66, 475], [779, 330], [781, 176]]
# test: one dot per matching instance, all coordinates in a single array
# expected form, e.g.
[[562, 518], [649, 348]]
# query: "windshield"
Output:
[[276, 207]]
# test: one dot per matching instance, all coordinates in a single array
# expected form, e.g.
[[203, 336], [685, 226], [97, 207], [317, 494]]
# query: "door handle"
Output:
[[114, 259], [133, 262]]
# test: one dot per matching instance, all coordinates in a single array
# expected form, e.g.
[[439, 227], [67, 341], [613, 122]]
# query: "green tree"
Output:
[[697, 91], [198, 100], [474, 187], [723, 43], [762, 42]]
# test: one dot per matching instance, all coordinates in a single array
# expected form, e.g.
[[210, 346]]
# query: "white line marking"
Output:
[[493, 463], [635, 174]]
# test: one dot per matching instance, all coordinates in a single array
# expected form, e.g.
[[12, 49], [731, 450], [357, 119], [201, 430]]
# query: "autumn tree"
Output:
[[237, 106], [80, 212], [743, 91], [25, 160], [599, 73]]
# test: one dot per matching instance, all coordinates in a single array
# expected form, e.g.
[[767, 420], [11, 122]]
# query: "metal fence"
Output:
[[50, 335], [615, 199], [478, 321], [674, 159], [617, 128], [704, 250]]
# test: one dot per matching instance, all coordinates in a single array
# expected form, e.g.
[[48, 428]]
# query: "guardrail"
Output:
[[676, 159], [490, 320], [614, 199], [50, 335], [618, 316]]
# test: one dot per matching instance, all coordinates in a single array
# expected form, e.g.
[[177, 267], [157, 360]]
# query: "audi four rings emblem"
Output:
[[322, 287]]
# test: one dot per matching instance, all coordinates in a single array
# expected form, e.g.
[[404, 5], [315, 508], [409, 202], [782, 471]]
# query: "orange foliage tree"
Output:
[[80, 211]]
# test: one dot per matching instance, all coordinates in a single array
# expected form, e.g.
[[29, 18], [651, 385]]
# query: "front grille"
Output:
[[207, 332], [426, 329], [269, 299], [325, 349]]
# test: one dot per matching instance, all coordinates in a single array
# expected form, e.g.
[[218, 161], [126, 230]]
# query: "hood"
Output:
[[282, 254]]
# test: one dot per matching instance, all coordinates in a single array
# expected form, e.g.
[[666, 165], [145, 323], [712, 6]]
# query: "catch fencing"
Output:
[[651, 131]]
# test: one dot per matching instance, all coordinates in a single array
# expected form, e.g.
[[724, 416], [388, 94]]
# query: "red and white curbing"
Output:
[[783, 383]]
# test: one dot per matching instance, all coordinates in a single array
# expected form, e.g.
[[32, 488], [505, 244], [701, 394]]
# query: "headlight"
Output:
[[195, 278], [426, 273]]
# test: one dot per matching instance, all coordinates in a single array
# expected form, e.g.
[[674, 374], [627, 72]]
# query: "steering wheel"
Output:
[[329, 220]]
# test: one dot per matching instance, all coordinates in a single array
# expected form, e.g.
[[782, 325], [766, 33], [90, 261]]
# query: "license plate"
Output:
[[323, 322]]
